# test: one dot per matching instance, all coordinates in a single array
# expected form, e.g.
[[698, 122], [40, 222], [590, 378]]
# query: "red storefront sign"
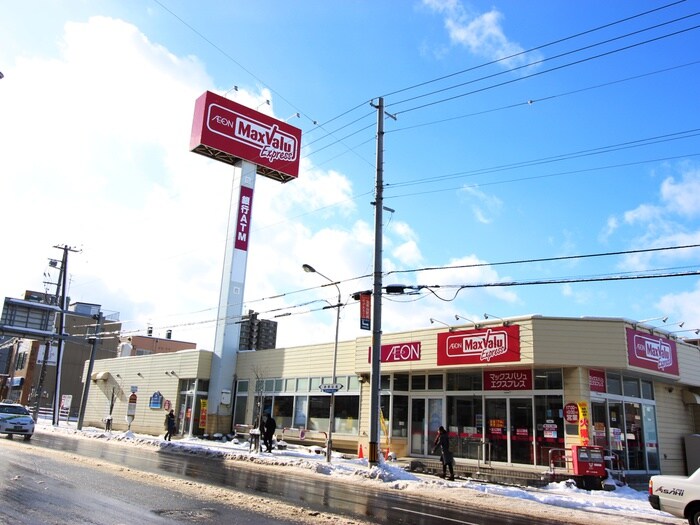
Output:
[[245, 205], [652, 352], [473, 347], [227, 131], [596, 380], [398, 353], [571, 413], [508, 380]]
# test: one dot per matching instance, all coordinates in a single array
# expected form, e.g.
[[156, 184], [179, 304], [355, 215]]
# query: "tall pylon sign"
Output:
[[254, 144]]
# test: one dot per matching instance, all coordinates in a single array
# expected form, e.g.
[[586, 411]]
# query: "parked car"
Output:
[[16, 419], [677, 495]]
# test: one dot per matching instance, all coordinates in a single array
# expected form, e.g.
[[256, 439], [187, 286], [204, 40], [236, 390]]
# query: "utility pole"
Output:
[[86, 388], [377, 306], [63, 279]]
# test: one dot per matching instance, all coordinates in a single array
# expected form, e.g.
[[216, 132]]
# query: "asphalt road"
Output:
[[94, 495]]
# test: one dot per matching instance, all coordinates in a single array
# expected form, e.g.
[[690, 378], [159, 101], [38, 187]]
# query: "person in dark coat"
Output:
[[170, 425], [442, 440], [267, 429]]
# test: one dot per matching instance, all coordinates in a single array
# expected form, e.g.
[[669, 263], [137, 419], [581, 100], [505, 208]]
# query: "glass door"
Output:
[[426, 418], [521, 431], [496, 430]]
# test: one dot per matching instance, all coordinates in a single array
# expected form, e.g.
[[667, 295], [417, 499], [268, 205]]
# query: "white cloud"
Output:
[[484, 206], [680, 197], [482, 34]]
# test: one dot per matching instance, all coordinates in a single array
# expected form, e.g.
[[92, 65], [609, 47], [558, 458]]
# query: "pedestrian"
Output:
[[442, 440], [170, 425], [267, 429]]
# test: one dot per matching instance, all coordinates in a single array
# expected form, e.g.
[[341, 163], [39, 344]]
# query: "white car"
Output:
[[16, 419]]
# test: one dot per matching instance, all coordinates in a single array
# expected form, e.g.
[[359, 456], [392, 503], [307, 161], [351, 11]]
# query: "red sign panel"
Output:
[[245, 205], [398, 353], [571, 413], [365, 311], [227, 131], [472, 347], [508, 380], [596, 380], [652, 352]]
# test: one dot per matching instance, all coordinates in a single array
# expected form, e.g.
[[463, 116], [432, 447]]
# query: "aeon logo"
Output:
[[486, 345], [654, 350], [272, 143]]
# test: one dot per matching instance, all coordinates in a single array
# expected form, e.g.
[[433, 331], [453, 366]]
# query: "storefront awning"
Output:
[[691, 398]]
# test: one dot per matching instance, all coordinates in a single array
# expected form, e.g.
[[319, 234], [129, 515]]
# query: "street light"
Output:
[[331, 423]]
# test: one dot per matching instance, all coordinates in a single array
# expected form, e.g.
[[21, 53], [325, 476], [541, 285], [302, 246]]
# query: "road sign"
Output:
[[330, 388]]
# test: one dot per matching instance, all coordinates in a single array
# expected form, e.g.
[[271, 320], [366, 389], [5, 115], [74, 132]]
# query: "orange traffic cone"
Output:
[[360, 455]]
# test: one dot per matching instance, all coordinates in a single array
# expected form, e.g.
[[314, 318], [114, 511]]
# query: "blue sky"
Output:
[[584, 141]]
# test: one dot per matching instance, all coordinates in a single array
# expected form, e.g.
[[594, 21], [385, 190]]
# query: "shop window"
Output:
[[399, 415], [549, 429], [435, 381], [464, 381], [650, 438], [259, 385], [203, 385], [347, 412], [401, 382], [630, 386], [269, 385], [242, 386], [384, 414], [319, 410], [548, 379], [290, 385], [283, 411], [279, 383], [465, 421], [614, 383], [301, 404], [418, 382], [647, 390], [240, 408], [303, 384]]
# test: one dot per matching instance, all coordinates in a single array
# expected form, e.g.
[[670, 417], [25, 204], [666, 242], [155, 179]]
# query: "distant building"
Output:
[[257, 334], [136, 345]]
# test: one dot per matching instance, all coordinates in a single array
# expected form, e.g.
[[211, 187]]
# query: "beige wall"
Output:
[[123, 373]]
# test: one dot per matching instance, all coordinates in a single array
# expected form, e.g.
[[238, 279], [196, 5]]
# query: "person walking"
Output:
[[267, 429], [170, 425], [442, 440]]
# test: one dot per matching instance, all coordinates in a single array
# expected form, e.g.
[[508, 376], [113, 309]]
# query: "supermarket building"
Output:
[[511, 392]]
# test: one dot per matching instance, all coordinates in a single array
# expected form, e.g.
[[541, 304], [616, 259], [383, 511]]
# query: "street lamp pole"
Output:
[[331, 414]]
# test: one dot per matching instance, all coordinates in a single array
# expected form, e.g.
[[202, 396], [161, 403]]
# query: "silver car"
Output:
[[16, 419]]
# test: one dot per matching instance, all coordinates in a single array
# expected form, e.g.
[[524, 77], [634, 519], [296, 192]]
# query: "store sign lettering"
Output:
[[508, 380], [652, 352], [245, 205], [491, 345], [399, 352]]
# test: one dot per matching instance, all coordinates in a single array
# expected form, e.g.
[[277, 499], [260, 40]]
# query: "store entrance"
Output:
[[426, 418], [509, 429]]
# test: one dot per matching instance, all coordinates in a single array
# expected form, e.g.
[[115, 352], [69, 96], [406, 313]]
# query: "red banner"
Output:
[[596, 380], [245, 205]]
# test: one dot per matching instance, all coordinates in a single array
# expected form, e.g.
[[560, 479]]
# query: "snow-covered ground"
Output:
[[562, 501]]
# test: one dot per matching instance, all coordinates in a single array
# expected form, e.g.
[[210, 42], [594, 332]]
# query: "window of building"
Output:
[[614, 383], [548, 379], [465, 423], [630, 386], [301, 404], [353, 383], [283, 411], [435, 381], [315, 383], [279, 385], [386, 382], [647, 390], [269, 385], [399, 415], [347, 412], [401, 382], [290, 385], [319, 410], [464, 381], [418, 382], [303, 384]]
